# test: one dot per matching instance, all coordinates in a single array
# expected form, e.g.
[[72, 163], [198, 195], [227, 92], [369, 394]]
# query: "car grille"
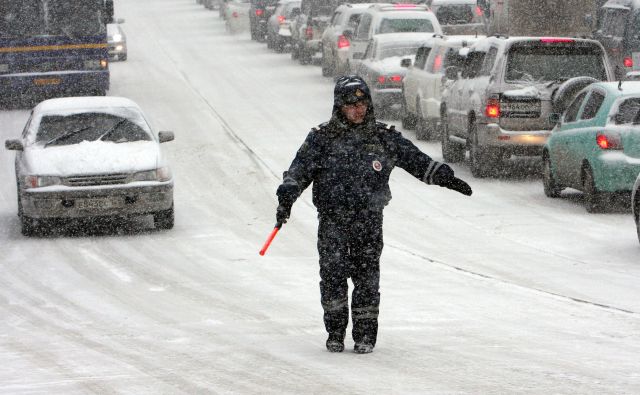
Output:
[[103, 179]]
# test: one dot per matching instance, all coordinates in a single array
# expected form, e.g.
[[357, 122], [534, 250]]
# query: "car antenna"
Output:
[[620, 85]]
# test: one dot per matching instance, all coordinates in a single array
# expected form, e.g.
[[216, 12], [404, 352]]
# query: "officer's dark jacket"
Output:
[[350, 165]]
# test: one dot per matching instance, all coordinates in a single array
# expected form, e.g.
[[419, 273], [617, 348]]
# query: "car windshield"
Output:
[[398, 25], [91, 126], [30, 18], [554, 63], [454, 14], [396, 50]]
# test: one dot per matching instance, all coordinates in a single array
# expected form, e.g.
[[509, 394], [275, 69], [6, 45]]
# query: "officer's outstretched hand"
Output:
[[445, 178]]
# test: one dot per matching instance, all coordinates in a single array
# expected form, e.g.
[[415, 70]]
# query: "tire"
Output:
[[29, 226], [327, 69], [451, 152], [270, 42], [424, 128], [295, 52], [304, 58], [478, 156], [408, 120], [551, 187], [565, 93], [593, 200], [164, 219]]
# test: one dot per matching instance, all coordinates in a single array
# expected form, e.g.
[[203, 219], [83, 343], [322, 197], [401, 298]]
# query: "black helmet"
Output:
[[350, 89]]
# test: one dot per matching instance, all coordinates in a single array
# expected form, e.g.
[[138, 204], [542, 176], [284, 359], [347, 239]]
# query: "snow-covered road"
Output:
[[501, 293]]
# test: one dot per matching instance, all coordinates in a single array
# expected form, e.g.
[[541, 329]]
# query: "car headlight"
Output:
[[161, 174], [116, 38], [41, 181], [4, 68]]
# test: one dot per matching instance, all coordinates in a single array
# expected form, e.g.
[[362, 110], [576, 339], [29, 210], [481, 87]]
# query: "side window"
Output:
[[572, 111], [592, 105], [353, 21], [421, 57], [336, 18], [489, 60], [627, 111], [363, 27], [472, 64]]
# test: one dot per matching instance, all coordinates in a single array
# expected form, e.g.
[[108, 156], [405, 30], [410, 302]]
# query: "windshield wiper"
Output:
[[112, 129], [65, 135]]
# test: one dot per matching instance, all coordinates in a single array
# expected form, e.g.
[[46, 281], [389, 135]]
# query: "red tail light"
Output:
[[628, 62], [343, 42], [381, 79], [234, 14], [479, 11], [437, 63], [554, 40], [493, 108], [259, 12], [608, 141], [309, 33], [281, 19], [395, 79]]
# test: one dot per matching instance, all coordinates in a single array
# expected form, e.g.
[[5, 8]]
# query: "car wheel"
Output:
[[304, 58], [593, 199], [327, 69], [278, 45], [29, 225], [270, 41], [422, 131], [478, 155], [451, 152], [408, 120], [164, 219], [551, 187], [295, 54]]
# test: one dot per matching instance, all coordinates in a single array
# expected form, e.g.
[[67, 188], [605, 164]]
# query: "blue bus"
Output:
[[51, 48]]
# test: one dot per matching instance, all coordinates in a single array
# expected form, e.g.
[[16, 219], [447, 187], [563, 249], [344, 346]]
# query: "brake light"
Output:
[[402, 5], [395, 78], [281, 19], [389, 79], [343, 42], [479, 11], [608, 141], [309, 32], [259, 12], [381, 79], [437, 63], [234, 14], [492, 110], [628, 62], [554, 40]]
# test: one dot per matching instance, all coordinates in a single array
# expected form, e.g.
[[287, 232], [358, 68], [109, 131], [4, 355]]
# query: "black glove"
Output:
[[445, 178], [287, 193], [283, 213]]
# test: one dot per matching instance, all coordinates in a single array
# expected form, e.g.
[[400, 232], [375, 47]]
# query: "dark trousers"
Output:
[[350, 245]]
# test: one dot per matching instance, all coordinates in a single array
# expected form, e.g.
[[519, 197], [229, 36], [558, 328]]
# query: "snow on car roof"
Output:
[[67, 105], [453, 2], [626, 88], [402, 37]]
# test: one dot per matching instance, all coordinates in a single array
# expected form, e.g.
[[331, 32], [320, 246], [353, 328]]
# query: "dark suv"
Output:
[[259, 14]]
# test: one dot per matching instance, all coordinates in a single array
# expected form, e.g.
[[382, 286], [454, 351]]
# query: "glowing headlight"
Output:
[[41, 181], [161, 174], [4, 68], [116, 38]]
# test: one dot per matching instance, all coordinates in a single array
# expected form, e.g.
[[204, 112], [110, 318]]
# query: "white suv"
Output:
[[390, 18], [422, 85]]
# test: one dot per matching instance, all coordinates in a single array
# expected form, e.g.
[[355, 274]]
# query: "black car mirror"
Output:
[[405, 62], [13, 145], [163, 137], [451, 73]]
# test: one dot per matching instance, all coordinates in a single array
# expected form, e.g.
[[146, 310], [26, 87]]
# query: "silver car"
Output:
[[91, 157], [117, 41]]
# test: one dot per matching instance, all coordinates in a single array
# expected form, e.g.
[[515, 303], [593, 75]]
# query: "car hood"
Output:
[[92, 157]]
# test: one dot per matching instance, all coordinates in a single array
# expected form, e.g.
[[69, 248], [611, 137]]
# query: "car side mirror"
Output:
[[451, 73], [358, 55], [554, 118], [163, 137], [405, 62], [13, 145], [120, 20]]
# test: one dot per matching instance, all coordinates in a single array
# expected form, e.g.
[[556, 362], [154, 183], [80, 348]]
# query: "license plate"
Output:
[[521, 107], [47, 81], [100, 203]]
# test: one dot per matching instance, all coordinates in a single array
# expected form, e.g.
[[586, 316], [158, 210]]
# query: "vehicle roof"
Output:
[[402, 37], [628, 87], [355, 5], [622, 4], [453, 2], [66, 104], [400, 7], [503, 41]]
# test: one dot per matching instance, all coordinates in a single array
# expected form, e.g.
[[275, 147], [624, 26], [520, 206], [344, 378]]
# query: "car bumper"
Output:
[[117, 51], [312, 46], [97, 201], [528, 142], [615, 172], [387, 97], [80, 80]]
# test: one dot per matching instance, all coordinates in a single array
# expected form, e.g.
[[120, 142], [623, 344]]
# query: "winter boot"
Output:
[[364, 346], [335, 342]]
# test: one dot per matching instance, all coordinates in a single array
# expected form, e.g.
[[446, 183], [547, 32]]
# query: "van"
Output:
[[618, 30]]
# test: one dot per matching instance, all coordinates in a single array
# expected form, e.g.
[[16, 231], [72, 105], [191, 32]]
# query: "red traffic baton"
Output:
[[272, 235]]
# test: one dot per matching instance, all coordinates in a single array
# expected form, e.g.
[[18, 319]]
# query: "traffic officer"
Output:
[[349, 160]]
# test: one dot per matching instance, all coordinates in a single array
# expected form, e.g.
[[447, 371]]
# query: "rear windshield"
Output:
[[554, 63], [396, 50], [455, 14], [397, 25]]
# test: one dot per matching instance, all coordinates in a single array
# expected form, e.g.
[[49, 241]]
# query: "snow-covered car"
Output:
[[237, 15], [91, 157], [635, 204], [117, 41], [595, 147], [384, 66], [279, 24]]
